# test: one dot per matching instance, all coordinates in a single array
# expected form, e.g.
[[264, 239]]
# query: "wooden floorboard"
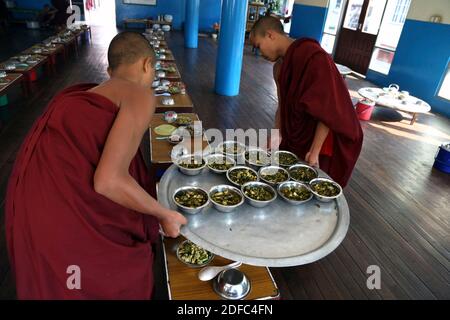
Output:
[[399, 205]]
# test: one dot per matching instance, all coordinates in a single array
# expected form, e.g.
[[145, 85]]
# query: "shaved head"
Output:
[[265, 24], [127, 48]]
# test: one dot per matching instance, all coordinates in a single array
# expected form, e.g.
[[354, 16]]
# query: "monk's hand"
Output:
[[312, 158], [171, 223]]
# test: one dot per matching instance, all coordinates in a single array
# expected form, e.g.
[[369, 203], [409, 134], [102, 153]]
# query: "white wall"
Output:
[[423, 9], [315, 3]]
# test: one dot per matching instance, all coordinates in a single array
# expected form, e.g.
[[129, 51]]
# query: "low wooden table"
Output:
[[51, 52], [11, 80], [42, 60], [160, 150], [183, 282], [172, 76], [169, 56], [183, 104]]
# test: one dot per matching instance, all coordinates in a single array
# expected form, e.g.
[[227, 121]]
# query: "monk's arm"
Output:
[[112, 178], [312, 157]]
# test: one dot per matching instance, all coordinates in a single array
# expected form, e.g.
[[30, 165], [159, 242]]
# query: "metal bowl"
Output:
[[259, 203], [192, 265], [276, 159], [217, 156], [324, 198], [254, 164], [293, 184], [219, 149], [232, 284], [188, 209], [272, 170], [187, 171], [240, 167], [221, 207], [302, 166]]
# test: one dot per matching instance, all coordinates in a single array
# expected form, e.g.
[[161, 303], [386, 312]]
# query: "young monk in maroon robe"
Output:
[[315, 115], [79, 222]]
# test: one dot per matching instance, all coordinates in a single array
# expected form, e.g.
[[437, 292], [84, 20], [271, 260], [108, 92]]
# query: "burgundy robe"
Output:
[[55, 219], [313, 91]]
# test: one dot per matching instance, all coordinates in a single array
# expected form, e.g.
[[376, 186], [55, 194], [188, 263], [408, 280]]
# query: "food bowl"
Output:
[[165, 28], [168, 17], [231, 148], [294, 192], [190, 200], [219, 163], [303, 173], [329, 185], [167, 101], [160, 74], [285, 158], [226, 198], [240, 175], [190, 164], [257, 198], [257, 158], [273, 175], [192, 255], [232, 284]]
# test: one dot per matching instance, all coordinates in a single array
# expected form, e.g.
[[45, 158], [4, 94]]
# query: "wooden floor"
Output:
[[399, 205]]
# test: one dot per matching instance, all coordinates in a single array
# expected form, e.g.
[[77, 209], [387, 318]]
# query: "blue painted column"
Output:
[[231, 47], [191, 23]]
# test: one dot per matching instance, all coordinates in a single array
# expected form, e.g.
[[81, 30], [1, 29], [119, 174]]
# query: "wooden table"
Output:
[[183, 282], [68, 43], [160, 150], [51, 52], [183, 104], [172, 76], [169, 56], [10, 81], [137, 21], [27, 72]]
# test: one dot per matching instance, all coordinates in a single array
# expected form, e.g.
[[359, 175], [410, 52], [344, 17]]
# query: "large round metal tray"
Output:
[[279, 235]]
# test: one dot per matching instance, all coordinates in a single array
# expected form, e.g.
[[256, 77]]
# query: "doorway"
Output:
[[100, 12], [358, 34]]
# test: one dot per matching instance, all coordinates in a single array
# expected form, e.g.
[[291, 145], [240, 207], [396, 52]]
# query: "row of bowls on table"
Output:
[[281, 188]]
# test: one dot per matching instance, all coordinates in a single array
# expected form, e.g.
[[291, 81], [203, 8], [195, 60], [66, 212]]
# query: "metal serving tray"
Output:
[[279, 235]]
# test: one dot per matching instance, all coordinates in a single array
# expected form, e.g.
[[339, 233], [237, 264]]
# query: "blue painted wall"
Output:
[[172, 7], [420, 61], [32, 4], [307, 21], [209, 12]]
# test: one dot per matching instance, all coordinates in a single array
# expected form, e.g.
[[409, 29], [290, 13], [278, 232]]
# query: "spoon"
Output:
[[208, 273]]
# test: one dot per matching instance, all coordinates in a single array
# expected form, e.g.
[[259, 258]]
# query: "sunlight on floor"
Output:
[[418, 132]]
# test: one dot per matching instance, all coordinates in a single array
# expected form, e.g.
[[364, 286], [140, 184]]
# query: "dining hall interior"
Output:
[[366, 219]]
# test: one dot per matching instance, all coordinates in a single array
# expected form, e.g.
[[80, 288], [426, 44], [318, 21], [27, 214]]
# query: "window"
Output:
[[444, 91], [332, 23], [389, 35]]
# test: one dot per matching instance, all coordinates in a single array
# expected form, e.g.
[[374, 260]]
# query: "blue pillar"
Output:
[[191, 24], [231, 47]]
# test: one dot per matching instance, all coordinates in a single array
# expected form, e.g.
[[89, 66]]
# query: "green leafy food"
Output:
[[220, 164], [227, 197], [286, 159], [325, 188], [275, 177], [191, 198], [257, 157], [232, 148], [303, 174], [242, 176], [259, 193], [191, 163], [190, 253], [296, 193]]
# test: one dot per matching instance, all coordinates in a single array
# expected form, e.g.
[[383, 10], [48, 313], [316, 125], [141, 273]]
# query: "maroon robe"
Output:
[[55, 219], [313, 91]]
